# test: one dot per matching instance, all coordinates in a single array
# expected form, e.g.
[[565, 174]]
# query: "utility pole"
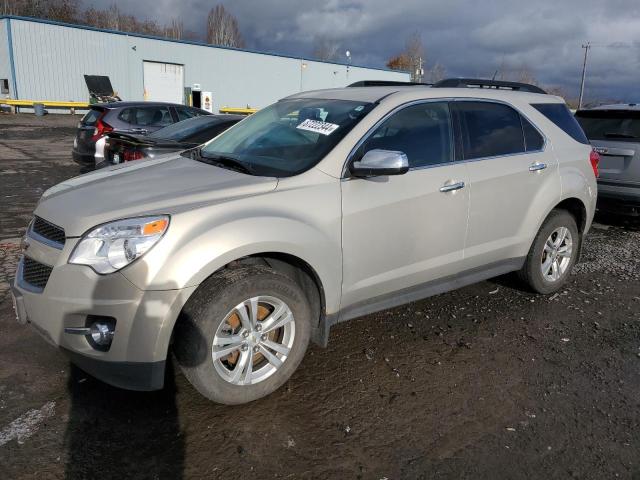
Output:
[[586, 47], [419, 71]]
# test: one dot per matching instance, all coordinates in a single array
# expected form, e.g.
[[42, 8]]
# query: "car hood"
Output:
[[167, 184]]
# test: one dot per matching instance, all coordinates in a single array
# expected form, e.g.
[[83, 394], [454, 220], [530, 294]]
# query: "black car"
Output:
[[122, 147], [139, 118]]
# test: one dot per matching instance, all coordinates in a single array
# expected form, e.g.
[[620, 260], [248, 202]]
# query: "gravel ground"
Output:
[[489, 381]]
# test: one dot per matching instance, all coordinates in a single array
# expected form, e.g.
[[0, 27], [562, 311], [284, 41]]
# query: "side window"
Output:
[[533, 141], [490, 129], [185, 113], [422, 132], [560, 114], [209, 133], [153, 116], [127, 115]]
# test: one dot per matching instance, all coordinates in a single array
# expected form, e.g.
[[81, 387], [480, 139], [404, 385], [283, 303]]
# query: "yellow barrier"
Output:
[[241, 111], [46, 103]]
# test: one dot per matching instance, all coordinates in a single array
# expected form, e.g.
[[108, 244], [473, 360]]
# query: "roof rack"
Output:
[[480, 83], [385, 83]]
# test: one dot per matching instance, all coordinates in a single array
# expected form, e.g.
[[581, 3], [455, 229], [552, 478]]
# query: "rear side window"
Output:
[[127, 115], [618, 125], [533, 141], [422, 132], [156, 116], [559, 114], [91, 117], [490, 129]]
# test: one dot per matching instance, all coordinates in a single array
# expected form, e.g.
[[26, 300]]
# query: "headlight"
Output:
[[115, 245]]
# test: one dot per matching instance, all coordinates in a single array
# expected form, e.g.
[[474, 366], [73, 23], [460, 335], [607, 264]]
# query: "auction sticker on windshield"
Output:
[[317, 126]]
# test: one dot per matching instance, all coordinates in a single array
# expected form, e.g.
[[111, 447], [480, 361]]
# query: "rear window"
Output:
[[91, 117], [619, 125], [559, 114]]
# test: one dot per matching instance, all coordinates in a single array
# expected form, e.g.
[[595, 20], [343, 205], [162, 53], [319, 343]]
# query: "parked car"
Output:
[[325, 206], [122, 147], [614, 131], [138, 118]]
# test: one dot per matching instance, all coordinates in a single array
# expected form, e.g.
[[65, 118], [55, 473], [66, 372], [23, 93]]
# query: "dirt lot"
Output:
[[486, 382]]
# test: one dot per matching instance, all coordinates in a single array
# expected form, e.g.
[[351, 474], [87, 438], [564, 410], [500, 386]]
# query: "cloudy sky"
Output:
[[469, 38]]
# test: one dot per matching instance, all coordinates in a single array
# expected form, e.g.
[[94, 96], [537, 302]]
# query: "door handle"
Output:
[[536, 167], [451, 187], [139, 130]]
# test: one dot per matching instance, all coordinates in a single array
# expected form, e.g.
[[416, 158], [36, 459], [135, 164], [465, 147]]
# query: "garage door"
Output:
[[163, 82]]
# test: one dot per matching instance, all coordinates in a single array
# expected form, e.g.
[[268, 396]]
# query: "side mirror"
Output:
[[380, 162]]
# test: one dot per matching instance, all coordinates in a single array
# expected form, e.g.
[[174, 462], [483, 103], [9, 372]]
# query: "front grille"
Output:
[[35, 273], [48, 230]]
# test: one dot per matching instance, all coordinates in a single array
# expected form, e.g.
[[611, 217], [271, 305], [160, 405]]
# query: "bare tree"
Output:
[[222, 28], [435, 73], [175, 30], [326, 49], [414, 49], [412, 59]]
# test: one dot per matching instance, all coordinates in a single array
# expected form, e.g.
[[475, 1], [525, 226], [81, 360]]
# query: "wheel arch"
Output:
[[577, 209]]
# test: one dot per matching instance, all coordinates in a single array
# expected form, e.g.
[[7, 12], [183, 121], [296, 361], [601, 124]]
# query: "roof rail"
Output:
[[480, 83], [385, 83]]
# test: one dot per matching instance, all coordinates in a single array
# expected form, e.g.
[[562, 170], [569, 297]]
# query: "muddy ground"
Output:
[[486, 382]]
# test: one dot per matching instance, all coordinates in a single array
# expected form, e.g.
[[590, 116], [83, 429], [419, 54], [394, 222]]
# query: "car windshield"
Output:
[[288, 137], [619, 125], [181, 130]]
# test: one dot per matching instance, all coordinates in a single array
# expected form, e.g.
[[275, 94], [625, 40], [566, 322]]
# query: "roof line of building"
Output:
[[186, 42]]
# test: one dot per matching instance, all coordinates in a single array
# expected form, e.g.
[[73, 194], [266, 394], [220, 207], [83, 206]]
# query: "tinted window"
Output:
[[153, 116], [619, 125], [209, 133], [491, 129], [288, 137], [127, 115], [422, 132], [559, 114], [532, 138], [91, 117], [185, 113]]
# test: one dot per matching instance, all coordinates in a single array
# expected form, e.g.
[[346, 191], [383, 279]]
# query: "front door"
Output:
[[400, 232]]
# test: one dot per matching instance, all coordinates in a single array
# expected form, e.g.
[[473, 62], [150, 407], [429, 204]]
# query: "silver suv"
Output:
[[614, 131], [325, 206]]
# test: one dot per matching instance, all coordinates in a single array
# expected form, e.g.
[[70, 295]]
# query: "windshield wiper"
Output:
[[223, 161], [618, 135]]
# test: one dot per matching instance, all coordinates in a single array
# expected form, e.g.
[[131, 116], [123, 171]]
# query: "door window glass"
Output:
[[153, 116], [532, 138], [490, 130], [422, 132]]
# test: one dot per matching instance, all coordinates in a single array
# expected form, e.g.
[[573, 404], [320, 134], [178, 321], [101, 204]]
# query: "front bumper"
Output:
[[144, 319]]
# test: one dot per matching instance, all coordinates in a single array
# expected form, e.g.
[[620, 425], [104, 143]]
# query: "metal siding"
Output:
[[51, 60], [5, 68]]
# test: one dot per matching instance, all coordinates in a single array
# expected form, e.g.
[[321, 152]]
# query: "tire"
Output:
[[211, 315], [532, 271]]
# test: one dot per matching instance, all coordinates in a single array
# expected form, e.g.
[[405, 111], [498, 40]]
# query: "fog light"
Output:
[[101, 333]]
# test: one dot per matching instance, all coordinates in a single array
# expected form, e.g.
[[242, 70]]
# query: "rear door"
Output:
[[616, 136], [148, 119], [512, 179]]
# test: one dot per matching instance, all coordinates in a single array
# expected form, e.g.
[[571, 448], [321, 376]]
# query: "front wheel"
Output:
[[243, 334], [553, 253]]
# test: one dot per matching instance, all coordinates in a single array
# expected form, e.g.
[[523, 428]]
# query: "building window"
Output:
[[4, 85]]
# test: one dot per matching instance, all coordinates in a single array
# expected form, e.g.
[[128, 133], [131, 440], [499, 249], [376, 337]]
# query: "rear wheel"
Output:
[[243, 334], [553, 253]]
